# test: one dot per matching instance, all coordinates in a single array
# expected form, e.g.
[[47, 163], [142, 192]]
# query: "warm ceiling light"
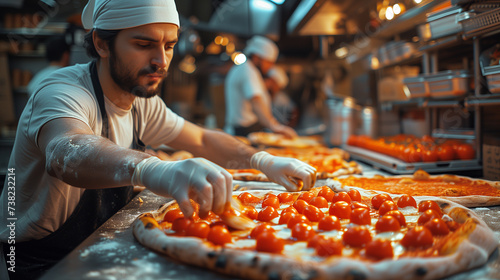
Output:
[[417, 1], [397, 9], [389, 13], [341, 52], [239, 58]]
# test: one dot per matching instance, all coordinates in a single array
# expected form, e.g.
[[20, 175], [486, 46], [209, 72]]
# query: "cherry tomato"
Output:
[[272, 201], [355, 195], [340, 209], [328, 223], [314, 241], [285, 197], [319, 202], [219, 235], [356, 236], [248, 199], [357, 204], [298, 218], [428, 215], [379, 249], [250, 212], [429, 204], [378, 199], [327, 193], [387, 206], [268, 195], [406, 200], [313, 213], [268, 242], [341, 196], [445, 153], [465, 151], [398, 215], [259, 229], [417, 237], [361, 216], [180, 224], [437, 227], [267, 214], [328, 247], [300, 204], [172, 215], [285, 217], [290, 209], [452, 225], [302, 231], [387, 223], [198, 229], [306, 196], [430, 155]]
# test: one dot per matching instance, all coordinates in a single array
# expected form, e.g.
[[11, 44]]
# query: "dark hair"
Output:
[[107, 35], [55, 47]]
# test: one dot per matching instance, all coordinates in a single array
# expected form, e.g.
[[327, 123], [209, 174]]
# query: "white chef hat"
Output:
[[279, 75], [121, 14], [263, 47]]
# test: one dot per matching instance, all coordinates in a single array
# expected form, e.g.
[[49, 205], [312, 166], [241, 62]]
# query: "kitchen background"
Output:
[[375, 67]]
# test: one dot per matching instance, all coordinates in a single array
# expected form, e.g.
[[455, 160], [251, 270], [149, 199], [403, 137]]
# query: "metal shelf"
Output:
[[486, 100]]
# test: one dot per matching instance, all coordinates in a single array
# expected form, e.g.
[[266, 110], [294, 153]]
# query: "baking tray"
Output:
[[397, 166], [481, 23]]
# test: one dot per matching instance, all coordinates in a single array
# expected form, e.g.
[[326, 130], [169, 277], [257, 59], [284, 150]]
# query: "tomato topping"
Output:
[[272, 201], [268, 195], [298, 218], [355, 195], [319, 202], [268, 242], [285, 197], [452, 225], [219, 235], [313, 213], [356, 236], [180, 224], [247, 198], [340, 209], [379, 249], [428, 215], [290, 209], [361, 216], [172, 215], [437, 227], [387, 223], [417, 237], [250, 212], [267, 214], [327, 193], [378, 199], [306, 196], [429, 204], [300, 204], [260, 228], [302, 231], [387, 206], [314, 241], [328, 247], [328, 223], [357, 204], [341, 196], [398, 215], [285, 217], [406, 200], [198, 229], [445, 153]]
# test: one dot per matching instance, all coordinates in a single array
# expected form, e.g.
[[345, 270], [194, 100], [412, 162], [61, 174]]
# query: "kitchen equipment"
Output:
[[441, 24], [367, 122], [481, 23], [340, 120], [416, 87], [492, 74], [448, 83]]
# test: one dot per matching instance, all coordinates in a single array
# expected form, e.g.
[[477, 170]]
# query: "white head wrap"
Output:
[[279, 75], [121, 14], [263, 47]]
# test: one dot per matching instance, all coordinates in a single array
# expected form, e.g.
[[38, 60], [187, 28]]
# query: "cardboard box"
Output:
[[491, 157]]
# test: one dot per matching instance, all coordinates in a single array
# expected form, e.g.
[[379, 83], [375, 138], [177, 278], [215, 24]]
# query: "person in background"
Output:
[[80, 142], [248, 103], [57, 53], [283, 108]]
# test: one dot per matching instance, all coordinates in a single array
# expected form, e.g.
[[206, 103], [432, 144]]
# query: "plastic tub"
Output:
[[448, 83], [416, 87]]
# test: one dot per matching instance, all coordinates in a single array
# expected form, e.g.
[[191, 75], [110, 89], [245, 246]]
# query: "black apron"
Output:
[[95, 207], [245, 130]]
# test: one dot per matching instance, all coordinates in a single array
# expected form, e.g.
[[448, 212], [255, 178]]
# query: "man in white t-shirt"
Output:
[[248, 104], [283, 108], [81, 136]]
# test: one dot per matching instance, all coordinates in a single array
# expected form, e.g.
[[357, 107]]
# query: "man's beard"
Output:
[[129, 83]]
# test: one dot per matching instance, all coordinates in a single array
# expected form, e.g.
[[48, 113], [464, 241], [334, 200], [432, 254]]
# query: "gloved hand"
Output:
[[199, 179], [284, 171], [285, 130]]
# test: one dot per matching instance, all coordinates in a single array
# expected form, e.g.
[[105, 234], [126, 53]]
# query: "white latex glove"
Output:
[[199, 179], [285, 130], [284, 171]]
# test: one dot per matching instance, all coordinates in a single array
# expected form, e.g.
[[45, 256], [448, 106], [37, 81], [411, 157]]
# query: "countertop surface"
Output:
[[112, 252]]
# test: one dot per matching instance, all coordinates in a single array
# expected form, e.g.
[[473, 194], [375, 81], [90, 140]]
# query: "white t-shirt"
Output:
[[43, 202], [243, 82]]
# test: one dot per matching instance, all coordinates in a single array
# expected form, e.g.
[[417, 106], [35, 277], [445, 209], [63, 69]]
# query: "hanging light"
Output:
[[389, 13], [397, 9]]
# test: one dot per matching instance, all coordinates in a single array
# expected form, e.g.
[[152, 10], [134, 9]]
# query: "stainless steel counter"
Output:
[[112, 252]]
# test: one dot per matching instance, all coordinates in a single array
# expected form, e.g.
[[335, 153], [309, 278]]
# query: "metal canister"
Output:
[[367, 122], [340, 120]]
